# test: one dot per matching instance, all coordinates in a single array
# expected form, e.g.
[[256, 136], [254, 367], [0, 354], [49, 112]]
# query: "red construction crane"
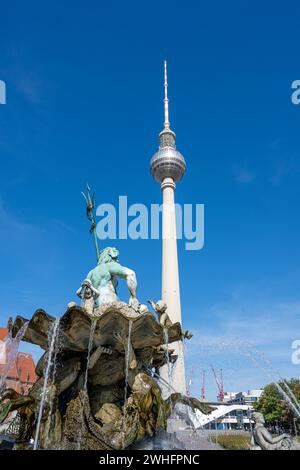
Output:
[[203, 394], [220, 383]]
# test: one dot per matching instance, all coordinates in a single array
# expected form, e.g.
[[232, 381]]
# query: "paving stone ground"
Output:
[[179, 437], [190, 438], [195, 440]]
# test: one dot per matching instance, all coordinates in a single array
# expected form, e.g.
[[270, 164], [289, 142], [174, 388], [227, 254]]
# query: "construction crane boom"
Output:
[[203, 391], [220, 383]]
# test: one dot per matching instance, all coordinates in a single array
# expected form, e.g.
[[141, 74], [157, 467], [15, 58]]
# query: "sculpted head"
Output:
[[142, 384], [108, 254], [161, 306], [258, 418]]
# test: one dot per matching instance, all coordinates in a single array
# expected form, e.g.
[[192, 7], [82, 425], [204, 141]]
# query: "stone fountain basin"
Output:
[[112, 319]]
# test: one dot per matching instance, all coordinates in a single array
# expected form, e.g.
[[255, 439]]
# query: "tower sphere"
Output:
[[167, 162]]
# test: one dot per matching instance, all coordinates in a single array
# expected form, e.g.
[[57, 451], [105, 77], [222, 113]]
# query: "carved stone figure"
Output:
[[115, 427], [101, 282], [160, 307], [262, 439], [89, 294]]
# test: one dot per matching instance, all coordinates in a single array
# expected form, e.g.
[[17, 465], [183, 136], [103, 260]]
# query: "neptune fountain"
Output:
[[97, 384]]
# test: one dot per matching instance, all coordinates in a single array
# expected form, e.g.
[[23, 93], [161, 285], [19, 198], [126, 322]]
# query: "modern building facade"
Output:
[[245, 398], [234, 412]]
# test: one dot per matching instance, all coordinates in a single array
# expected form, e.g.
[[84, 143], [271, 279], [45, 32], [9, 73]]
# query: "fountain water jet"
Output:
[[52, 339], [85, 387], [166, 340], [288, 389], [291, 393], [53, 377], [90, 346], [12, 346], [271, 375], [246, 349], [127, 358]]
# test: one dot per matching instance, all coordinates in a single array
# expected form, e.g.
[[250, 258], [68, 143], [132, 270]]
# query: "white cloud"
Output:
[[243, 175]]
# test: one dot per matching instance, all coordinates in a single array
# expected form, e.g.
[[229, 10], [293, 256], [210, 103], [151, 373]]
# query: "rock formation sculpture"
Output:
[[96, 386]]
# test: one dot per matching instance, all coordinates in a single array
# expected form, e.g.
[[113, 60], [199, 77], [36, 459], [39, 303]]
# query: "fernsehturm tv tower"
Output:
[[167, 168]]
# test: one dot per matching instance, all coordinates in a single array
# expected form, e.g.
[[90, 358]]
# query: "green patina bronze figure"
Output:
[[101, 282], [99, 287]]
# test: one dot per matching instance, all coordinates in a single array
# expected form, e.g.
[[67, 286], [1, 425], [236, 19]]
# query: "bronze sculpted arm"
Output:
[[116, 269]]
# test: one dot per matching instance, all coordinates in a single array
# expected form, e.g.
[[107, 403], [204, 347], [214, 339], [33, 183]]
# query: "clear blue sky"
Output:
[[84, 102]]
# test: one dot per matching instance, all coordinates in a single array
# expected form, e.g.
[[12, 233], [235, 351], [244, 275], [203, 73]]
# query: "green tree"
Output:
[[275, 408]]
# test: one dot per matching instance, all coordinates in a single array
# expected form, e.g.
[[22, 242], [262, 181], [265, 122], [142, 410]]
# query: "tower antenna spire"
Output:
[[166, 100]]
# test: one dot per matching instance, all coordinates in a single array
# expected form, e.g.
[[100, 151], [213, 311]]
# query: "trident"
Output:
[[90, 205]]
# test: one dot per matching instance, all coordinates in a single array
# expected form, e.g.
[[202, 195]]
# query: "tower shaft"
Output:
[[170, 274], [170, 280]]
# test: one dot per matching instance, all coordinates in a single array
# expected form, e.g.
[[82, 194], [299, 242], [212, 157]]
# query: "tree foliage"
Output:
[[275, 408]]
